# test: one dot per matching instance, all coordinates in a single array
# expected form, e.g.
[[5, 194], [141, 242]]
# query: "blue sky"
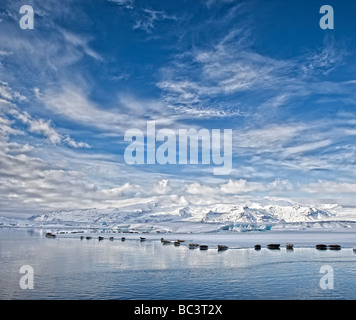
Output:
[[91, 70]]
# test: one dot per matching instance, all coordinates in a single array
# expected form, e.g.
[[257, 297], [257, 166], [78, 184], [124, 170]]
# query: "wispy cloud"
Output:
[[211, 3], [73, 103], [81, 43], [128, 4], [328, 188], [7, 93], [306, 147], [38, 126], [325, 60], [269, 137], [229, 69], [148, 18]]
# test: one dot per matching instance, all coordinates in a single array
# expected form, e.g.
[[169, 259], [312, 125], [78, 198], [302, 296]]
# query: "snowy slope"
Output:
[[171, 210]]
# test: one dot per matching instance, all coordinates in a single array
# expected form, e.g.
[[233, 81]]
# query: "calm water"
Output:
[[68, 268]]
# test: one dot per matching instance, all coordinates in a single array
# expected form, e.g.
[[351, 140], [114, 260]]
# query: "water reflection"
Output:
[[91, 269]]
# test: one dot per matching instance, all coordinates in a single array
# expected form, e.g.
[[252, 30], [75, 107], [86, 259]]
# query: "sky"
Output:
[[89, 71]]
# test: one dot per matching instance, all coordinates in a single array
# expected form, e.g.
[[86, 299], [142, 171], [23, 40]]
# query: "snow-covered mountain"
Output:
[[258, 215]]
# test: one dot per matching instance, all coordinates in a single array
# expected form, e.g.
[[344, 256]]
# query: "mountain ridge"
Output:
[[156, 210]]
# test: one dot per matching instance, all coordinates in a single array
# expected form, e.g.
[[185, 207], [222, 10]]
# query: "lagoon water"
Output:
[[70, 268]]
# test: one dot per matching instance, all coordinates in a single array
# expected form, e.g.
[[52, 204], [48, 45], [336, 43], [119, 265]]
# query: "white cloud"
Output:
[[38, 126], [9, 94], [209, 111], [118, 192], [328, 188], [162, 187], [149, 18], [6, 128], [181, 92], [280, 185], [41, 126], [223, 70], [306, 147], [325, 60], [240, 186], [130, 112], [5, 53], [81, 43], [128, 4], [300, 147], [47, 186], [72, 103], [228, 68], [196, 188], [44, 127], [74, 144], [269, 137], [4, 93]]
